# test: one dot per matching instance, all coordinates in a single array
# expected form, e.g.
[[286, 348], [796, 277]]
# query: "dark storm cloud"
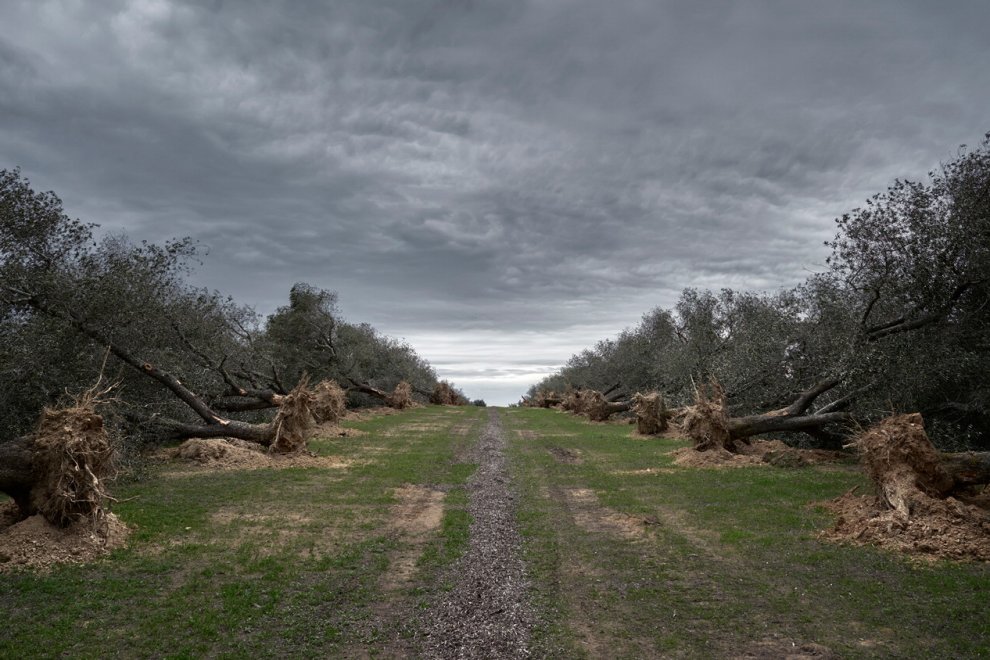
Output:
[[501, 182]]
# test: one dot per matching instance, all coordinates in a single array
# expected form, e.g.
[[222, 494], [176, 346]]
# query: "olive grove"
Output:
[[899, 321]]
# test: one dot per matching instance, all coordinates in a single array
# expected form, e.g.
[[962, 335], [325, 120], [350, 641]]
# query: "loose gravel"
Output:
[[487, 614]]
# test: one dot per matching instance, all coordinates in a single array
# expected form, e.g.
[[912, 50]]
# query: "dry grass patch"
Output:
[[415, 517]]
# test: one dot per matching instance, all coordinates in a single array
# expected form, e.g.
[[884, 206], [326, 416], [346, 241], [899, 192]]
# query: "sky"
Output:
[[501, 183]]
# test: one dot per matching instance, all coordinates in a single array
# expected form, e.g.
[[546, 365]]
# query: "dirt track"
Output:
[[487, 614]]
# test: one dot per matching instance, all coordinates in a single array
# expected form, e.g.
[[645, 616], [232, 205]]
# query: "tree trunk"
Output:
[[744, 427], [17, 474], [969, 468]]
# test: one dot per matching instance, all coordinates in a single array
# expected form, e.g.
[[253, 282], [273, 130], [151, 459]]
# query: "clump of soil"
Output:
[[652, 417], [909, 514], [224, 453], [401, 397], [706, 422], [759, 452], [364, 414], [232, 454], [945, 529], [717, 457], [36, 544], [328, 403]]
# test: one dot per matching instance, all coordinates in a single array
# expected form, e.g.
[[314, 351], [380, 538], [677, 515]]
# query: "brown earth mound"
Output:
[[36, 544], [945, 529], [232, 454], [911, 513], [760, 452], [713, 458]]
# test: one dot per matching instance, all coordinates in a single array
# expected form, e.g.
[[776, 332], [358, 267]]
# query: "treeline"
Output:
[[186, 361], [899, 322]]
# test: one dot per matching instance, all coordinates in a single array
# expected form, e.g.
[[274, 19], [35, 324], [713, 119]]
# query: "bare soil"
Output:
[[232, 454], [590, 515], [414, 518], [35, 544], [935, 529], [759, 452]]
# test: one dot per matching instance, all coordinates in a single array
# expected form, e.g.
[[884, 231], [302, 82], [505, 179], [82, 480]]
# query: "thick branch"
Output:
[[904, 324], [743, 427], [804, 401]]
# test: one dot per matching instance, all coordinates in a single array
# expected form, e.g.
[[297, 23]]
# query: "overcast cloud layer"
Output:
[[501, 183]]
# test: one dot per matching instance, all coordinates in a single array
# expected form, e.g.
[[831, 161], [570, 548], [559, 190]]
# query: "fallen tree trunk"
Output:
[[17, 471], [709, 425], [286, 433], [971, 468]]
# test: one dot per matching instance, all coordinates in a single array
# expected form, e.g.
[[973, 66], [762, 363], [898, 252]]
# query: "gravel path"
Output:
[[487, 614]]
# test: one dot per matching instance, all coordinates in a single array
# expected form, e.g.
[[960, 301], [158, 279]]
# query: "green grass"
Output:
[[267, 562], [290, 562], [731, 563]]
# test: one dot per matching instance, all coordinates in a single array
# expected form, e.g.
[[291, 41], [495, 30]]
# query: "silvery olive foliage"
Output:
[[901, 316]]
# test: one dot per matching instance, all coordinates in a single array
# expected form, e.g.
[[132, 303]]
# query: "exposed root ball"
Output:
[[74, 459], [294, 420], [706, 422], [652, 417], [545, 399], [902, 462], [444, 394], [401, 396], [329, 402], [575, 400], [596, 406]]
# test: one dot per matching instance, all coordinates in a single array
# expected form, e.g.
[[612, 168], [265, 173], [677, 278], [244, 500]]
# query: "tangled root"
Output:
[[329, 402], [652, 417], [444, 394], [706, 422], [401, 396], [902, 462], [545, 399], [596, 406], [575, 400], [73, 461], [294, 420]]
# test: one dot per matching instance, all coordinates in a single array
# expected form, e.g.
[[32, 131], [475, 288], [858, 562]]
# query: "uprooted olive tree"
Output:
[[60, 470], [897, 321], [190, 362]]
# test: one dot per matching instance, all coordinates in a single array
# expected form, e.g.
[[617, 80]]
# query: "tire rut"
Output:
[[487, 613]]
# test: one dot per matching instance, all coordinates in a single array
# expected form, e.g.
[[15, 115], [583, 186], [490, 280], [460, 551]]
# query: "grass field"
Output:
[[639, 558], [629, 556]]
